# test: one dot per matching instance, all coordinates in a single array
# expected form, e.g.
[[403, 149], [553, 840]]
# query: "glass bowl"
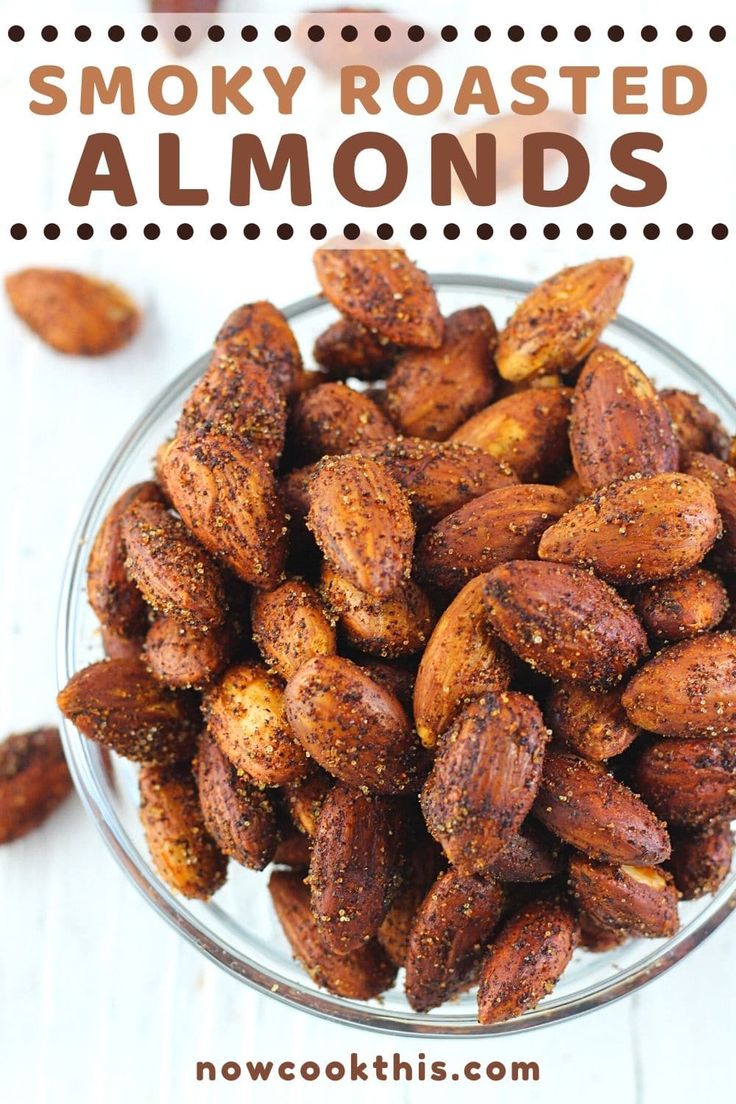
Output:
[[238, 929]]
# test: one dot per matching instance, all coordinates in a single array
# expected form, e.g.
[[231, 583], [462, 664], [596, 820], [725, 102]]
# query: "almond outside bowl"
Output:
[[238, 929]]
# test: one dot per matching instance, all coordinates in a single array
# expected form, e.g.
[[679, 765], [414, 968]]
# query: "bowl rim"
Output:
[[80, 754]]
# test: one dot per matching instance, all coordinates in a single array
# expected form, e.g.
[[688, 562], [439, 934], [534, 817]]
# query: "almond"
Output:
[[73, 313], [118, 703], [505, 524], [34, 780], [355, 863], [346, 349], [113, 596], [352, 726], [564, 622], [526, 960], [183, 852], [423, 861], [294, 850], [383, 290], [721, 478], [637, 530], [439, 476], [304, 800], [121, 647], [587, 807], [637, 900], [259, 333], [170, 568], [226, 496], [399, 625], [358, 975], [290, 626], [430, 392], [683, 607], [530, 855], [450, 930], [361, 520], [333, 419], [688, 689], [594, 725], [392, 676], [485, 778], [527, 431], [701, 860], [561, 319], [333, 53], [184, 656], [240, 817], [697, 428], [246, 714], [690, 783], [619, 425]]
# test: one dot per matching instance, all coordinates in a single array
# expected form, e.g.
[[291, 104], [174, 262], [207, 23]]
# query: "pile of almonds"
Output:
[[452, 650]]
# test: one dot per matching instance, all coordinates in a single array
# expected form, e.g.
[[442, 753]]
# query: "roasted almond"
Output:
[[526, 960], [686, 606], [423, 861], [392, 676], [721, 478], [170, 568], [564, 622], [226, 496], [690, 783], [697, 428], [348, 350], [619, 425], [530, 855], [399, 625], [688, 689], [352, 726], [34, 780], [118, 703], [383, 290], [358, 975], [505, 524], [597, 939], [637, 530], [246, 714], [451, 928], [638, 900], [462, 660], [184, 656], [430, 392], [290, 626], [240, 817], [485, 778], [113, 596], [332, 419], [183, 852], [594, 725], [561, 319], [258, 333], [71, 312], [356, 860], [439, 476], [587, 807], [304, 800], [361, 520], [701, 860], [121, 647], [527, 431], [293, 850]]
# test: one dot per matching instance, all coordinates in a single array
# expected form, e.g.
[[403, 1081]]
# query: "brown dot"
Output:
[[685, 231], [16, 33], [448, 33], [218, 231], [482, 33], [18, 231], [116, 33], [582, 33], [85, 231], [518, 231], [316, 33], [720, 231], [149, 33], [351, 231], [649, 33], [282, 33], [684, 33], [418, 231], [185, 231], [484, 231], [252, 231], [549, 33], [49, 33], [349, 33], [718, 33], [451, 231], [249, 33], [382, 32], [151, 231], [615, 33], [318, 231], [51, 231], [182, 33], [585, 231], [516, 33], [82, 34], [415, 33], [618, 231], [216, 33], [552, 231], [118, 231], [385, 231], [651, 231], [285, 231]]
